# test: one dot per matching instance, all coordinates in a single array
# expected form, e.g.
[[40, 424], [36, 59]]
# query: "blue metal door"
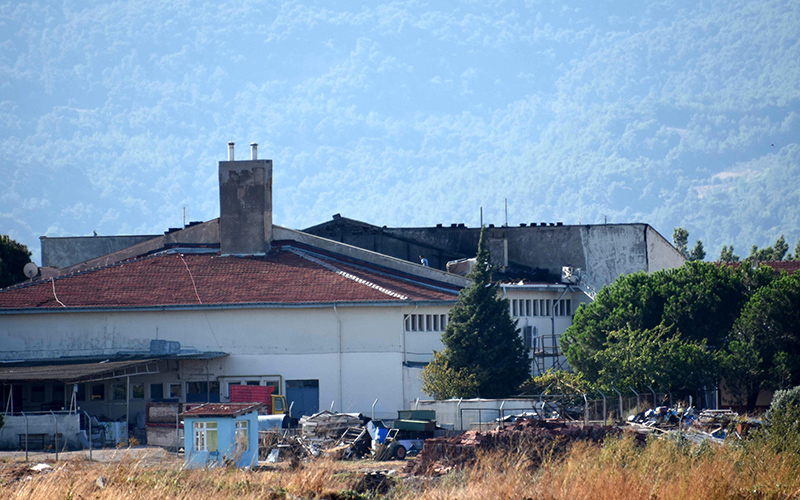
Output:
[[305, 396]]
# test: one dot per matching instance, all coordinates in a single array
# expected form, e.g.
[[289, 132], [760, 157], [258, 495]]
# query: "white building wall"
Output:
[[356, 352]]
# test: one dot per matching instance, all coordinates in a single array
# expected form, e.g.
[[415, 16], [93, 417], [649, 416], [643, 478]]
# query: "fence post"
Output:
[[585, 411], [177, 431], [655, 405], [604, 406], [55, 436], [637, 399], [620, 403], [26, 435], [89, 429]]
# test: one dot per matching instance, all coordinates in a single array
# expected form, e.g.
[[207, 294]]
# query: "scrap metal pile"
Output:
[[707, 425], [343, 436]]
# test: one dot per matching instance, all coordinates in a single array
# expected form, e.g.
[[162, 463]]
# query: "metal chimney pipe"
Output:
[[253, 151], [230, 151]]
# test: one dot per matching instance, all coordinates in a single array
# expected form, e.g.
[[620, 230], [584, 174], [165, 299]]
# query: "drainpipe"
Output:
[[405, 354], [339, 335], [458, 415], [553, 323]]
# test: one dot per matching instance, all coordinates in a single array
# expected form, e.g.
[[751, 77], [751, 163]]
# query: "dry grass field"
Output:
[[618, 470]]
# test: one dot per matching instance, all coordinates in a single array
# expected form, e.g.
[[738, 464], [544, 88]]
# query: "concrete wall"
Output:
[[606, 251], [68, 426], [662, 255], [65, 252]]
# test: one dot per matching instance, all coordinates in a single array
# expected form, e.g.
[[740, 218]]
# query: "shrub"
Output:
[[782, 421]]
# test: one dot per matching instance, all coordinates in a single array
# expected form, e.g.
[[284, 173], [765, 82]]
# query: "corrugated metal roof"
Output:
[[77, 370], [65, 373], [222, 410]]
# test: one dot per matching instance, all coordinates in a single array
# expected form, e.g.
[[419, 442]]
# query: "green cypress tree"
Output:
[[481, 337]]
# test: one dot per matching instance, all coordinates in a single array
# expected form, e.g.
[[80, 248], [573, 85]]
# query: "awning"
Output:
[[88, 372]]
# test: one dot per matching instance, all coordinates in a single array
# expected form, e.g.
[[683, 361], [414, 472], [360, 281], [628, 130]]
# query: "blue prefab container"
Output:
[[221, 434]]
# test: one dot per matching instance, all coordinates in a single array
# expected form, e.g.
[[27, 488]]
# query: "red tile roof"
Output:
[[222, 409], [288, 275], [790, 266]]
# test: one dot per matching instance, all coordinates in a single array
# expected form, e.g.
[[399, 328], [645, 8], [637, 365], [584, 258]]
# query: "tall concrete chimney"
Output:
[[245, 203]]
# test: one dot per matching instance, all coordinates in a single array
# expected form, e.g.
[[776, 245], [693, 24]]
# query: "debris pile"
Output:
[[533, 438], [706, 425]]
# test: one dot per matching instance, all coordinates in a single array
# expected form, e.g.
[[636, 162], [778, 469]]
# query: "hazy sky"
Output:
[[113, 115]]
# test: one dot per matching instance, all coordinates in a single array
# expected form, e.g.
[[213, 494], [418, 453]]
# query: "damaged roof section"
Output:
[[221, 410]]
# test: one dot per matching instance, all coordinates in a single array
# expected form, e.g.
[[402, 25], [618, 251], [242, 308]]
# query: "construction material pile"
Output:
[[534, 439]]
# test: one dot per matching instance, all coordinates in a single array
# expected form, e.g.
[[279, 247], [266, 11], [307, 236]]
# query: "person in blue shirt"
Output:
[[423, 261]]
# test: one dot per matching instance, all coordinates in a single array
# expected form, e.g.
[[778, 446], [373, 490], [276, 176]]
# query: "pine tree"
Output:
[[481, 338], [727, 254], [680, 238], [698, 253]]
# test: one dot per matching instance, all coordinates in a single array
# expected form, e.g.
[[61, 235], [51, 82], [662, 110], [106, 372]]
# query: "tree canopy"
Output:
[[483, 348], [13, 257], [671, 329]]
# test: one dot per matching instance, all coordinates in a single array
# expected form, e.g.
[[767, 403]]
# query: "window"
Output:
[[514, 307], [137, 391], [98, 392], [156, 391], [205, 392], [527, 307], [424, 322], [37, 393], [175, 391], [205, 436], [535, 307], [242, 443], [81, 396], [118, 392], [529, 337]]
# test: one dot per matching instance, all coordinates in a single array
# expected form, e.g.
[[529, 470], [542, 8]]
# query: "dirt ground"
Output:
[[146, 455], [153, 456]]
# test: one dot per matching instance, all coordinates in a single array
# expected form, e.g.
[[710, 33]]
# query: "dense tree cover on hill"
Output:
[[685, 328], [13, 257], [483, 355]]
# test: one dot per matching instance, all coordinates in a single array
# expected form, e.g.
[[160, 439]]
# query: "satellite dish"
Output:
[[30, 270]]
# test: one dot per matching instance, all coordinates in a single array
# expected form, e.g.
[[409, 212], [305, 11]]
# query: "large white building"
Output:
[[236, 300]]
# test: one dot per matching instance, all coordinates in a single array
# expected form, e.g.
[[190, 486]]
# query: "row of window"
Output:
[[97, 392], [540, 307], [425, 322]]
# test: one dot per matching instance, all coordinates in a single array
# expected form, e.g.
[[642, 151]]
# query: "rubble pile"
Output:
[[532, 438], [707, 425]]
